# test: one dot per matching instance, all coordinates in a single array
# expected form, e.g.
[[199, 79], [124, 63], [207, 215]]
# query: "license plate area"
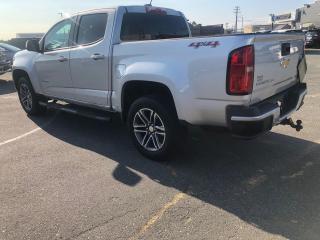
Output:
[[287, 100]]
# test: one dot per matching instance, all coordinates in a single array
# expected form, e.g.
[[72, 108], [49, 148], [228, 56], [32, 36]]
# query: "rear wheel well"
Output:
[[17, 74], [133, 90]]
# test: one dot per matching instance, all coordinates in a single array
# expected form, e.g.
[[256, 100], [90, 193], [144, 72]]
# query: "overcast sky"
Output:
[[18, 16]]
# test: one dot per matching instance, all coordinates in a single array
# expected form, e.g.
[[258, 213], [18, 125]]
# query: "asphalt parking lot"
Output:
[[68, 177]]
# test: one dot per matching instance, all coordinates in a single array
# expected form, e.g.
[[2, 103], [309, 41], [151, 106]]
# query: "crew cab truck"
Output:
[[141, 62]]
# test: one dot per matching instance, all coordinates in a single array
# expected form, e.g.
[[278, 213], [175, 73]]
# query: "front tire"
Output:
[[152, 125], [28, 98]]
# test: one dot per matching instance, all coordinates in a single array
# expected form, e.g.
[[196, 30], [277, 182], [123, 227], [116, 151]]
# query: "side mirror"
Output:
[[33, 46]]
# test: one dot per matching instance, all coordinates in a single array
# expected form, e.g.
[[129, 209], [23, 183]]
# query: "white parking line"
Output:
[[9, 97], [28, 133], [19, 137]]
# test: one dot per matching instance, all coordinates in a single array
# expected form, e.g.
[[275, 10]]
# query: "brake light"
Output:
[[157, 11], [241, 71]]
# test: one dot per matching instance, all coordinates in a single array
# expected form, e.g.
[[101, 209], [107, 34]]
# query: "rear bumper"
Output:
[[259, 118]]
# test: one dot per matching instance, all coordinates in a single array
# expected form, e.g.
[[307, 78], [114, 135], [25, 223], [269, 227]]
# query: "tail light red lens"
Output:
[[241, 71]]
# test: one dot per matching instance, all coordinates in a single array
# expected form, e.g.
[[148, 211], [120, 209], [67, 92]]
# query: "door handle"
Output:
[[62, 59], [97, 56]]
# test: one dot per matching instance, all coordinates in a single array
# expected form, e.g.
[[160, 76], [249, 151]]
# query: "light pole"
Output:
[[242, 24], [272, 21]]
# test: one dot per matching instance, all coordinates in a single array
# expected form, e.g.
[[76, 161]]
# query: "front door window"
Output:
[[58, 37]]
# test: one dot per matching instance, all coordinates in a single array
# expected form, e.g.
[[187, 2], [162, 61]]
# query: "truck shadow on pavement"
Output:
[[271, 183], [6, 87]]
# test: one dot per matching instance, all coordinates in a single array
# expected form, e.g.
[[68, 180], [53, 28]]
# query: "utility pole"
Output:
[[242, 27], [236, 12]]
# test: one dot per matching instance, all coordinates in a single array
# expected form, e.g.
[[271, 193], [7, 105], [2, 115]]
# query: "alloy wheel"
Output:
[[25, 96], [149, 129]]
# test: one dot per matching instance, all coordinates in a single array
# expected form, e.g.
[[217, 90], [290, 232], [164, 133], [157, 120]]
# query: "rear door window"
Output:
[[91, 28], [147, 26]]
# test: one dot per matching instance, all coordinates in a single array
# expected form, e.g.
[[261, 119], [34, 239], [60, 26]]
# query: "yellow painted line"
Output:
[[155, 218], [313, 96], [172, 171]]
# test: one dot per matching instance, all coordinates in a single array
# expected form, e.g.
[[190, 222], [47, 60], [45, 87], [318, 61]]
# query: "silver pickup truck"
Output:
[[142, 63]]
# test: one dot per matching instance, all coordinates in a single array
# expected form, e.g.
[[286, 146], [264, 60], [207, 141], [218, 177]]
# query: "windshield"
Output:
[[9, 47]]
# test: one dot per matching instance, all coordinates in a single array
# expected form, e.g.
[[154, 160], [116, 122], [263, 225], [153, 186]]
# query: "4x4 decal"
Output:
[[212, 44]]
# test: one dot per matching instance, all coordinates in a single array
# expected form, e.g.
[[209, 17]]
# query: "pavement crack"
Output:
[[101, 224]]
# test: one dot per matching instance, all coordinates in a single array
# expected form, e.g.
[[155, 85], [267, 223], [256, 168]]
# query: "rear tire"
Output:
[[153, 127], [28, 98]]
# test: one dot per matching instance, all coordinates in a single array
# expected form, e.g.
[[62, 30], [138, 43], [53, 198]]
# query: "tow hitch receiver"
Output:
[[297, 126]]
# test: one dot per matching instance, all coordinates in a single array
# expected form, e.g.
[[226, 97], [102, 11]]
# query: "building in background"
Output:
[[21, 38], [257, 28], [285, 21], [309, 16], [209, 30], [29, 35]]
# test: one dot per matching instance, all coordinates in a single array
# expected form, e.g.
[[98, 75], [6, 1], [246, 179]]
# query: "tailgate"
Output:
[[277, 57]]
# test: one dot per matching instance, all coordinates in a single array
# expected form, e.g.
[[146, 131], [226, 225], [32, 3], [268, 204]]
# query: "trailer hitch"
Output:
[[297, 126]]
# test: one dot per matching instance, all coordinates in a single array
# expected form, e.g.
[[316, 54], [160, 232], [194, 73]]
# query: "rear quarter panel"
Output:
[[195, 75]]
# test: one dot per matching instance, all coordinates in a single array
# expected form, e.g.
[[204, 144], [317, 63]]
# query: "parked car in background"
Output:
[[21, 42], [287, 31], [5, 64], [9, 51], [313, 39]]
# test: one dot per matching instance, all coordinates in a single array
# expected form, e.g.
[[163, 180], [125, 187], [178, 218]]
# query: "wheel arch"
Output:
[[17, 73], [132, 90]]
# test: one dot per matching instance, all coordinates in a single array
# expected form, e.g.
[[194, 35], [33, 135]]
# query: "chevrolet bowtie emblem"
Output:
[[285, 63]]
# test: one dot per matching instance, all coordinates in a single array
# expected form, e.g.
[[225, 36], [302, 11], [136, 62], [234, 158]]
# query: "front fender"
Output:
[[24, 61]]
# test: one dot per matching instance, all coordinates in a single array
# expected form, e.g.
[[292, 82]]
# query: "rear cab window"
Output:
[[153, 25]]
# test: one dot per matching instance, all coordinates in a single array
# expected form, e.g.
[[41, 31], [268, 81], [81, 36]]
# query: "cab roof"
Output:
[[135, 9]]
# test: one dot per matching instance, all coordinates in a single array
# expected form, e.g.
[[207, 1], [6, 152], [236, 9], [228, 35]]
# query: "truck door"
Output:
[[89, 59], [53, 65]]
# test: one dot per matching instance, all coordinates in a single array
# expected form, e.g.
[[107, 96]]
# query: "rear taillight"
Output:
[[241, 71]]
